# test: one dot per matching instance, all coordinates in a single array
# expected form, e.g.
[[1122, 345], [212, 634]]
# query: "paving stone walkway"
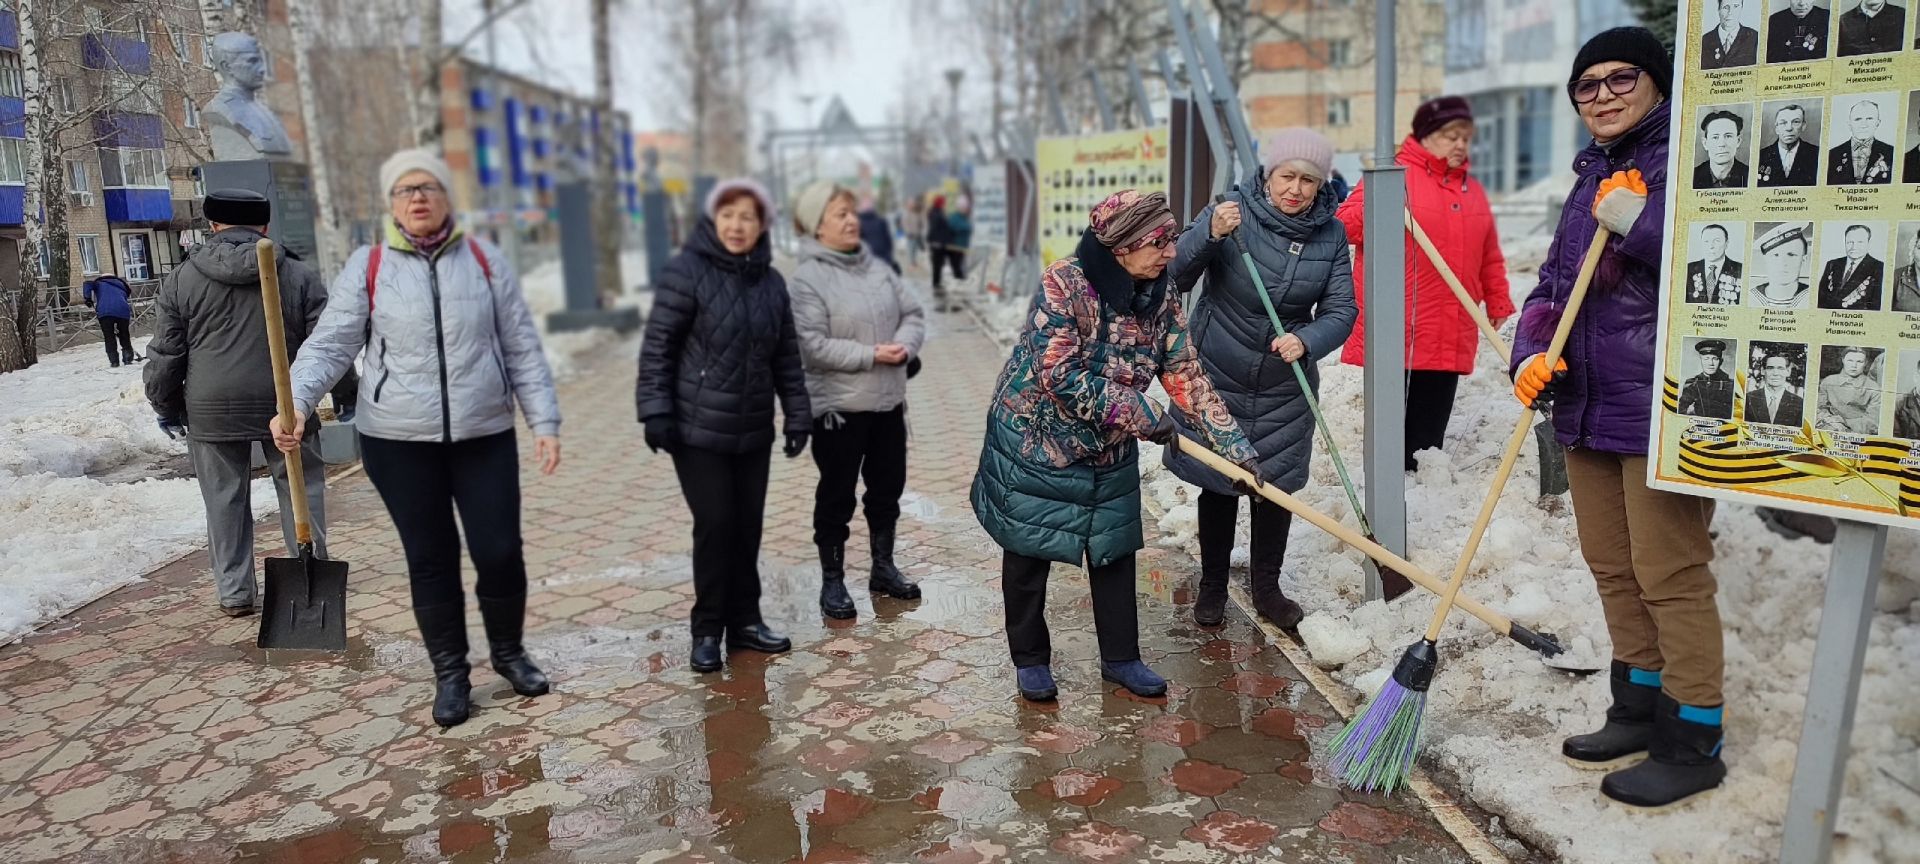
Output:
[[146, 728]]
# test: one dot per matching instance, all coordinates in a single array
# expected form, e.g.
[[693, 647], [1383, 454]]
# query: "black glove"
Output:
[[89, 303], [913, 366], [343, 413], [1163, 430], [174, 427], [661, 435], [796, 442], [1251, 466]]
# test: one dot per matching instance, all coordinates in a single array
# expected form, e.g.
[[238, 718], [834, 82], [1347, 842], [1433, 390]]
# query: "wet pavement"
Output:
[[146, 728]]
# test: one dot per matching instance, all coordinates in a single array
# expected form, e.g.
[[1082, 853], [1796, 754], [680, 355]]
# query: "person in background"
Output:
[[1341, 188], [1649, 550], [1452, 207], [875, 232], [439, 324], [720, 346], [913, 225], [960, 220], [1290, 230], [939, 237], [859, 327], [1059, 475], [211, 380], [111, 300]]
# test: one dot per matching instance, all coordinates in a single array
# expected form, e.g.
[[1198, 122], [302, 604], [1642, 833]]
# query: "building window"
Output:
[[121, 169], [199, 183], [89, 245], [96, 20], [13, 163], [79, 179], [1466, 34], [179, 40], [130, 93], [206, 51], [1340, 53], [45, 259], [11, 81], [140, 28], [1339, 111], [191, 111], [63, 100], [136, 258]]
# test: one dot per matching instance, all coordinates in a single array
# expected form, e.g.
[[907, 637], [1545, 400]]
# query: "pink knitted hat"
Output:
[[1298, 143]]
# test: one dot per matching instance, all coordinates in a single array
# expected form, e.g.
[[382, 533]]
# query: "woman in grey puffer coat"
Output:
[[449, 348], [1301, 251], [859, 327]]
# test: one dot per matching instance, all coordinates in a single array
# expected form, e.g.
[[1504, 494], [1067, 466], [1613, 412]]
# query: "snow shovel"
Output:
[[1553, 460], [305, 607], [1392, 584]]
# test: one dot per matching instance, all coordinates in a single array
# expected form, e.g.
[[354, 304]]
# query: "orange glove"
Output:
[[1533, 385], [1621, 199]]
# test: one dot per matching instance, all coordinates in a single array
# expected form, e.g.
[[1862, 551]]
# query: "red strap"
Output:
[[486, 269], [373, 273]]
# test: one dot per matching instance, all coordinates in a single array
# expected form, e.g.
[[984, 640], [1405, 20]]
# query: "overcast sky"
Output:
[[880, 58]]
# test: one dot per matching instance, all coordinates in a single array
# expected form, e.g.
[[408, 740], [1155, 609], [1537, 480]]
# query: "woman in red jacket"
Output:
[[1452, 207]]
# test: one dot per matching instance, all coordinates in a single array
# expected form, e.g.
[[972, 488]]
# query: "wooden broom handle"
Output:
[[1520, 431], [1460, 291], [1500, 623], [283, 385]]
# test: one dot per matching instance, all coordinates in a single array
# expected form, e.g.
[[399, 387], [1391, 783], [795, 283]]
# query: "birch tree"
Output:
[[17, 346], [606, 191], [332, 246], [426, 110]]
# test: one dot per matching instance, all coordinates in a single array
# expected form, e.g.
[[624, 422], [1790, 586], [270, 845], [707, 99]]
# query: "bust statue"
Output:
[[241, 126]]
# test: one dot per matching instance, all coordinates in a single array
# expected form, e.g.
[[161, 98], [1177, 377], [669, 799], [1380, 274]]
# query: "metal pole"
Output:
[[1846, 616], [1140, 92], [1053, 105], [498, 194], [1101, 101], [1386, 313], [1223, 89], [1202, 97]]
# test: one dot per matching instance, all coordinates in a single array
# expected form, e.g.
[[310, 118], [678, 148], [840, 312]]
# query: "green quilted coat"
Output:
[[1059, 475]]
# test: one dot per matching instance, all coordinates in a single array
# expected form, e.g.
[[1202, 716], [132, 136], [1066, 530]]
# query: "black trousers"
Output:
[[940, 255], [423, 482], [869, 445], [1429, 407], [115, 330], [1218, 517], [727, 493], [1023, 587]]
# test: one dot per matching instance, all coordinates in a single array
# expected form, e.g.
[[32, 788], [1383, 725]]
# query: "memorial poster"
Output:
[[990, 203], [1078, 171], [1789, 339]]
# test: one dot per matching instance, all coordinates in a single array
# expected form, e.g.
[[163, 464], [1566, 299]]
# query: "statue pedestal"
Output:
[[578, 262], [288, 187]]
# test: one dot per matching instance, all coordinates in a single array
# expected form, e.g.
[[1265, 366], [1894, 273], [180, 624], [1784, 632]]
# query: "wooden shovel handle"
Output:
[[1500, 623], [1520, 431], [1446, 275], [283, 384]]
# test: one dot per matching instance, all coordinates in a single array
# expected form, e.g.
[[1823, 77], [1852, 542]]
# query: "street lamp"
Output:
[[953, 116]]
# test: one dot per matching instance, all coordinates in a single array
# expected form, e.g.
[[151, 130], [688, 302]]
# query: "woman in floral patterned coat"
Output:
[[1059, 476]]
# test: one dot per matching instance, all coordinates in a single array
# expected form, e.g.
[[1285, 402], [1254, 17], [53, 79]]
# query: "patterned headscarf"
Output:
[[1128, 220]]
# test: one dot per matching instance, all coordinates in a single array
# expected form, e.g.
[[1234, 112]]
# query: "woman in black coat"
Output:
[[720, 345], [1301, 251]]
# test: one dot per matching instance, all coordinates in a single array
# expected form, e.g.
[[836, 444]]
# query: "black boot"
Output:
[[1210, 608], [1268, 599], [1683, 759], [886, 578], [504, 618], [758, 637], [834, 602], [443, 628], [1629, 725], [1217, 517], [706, 654]]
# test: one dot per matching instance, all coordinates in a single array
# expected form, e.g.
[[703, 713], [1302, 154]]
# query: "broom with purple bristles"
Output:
[[1377, 749]]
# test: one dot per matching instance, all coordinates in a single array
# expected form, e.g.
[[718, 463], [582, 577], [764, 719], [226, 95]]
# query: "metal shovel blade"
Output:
[[305, 604], [1553, 459]]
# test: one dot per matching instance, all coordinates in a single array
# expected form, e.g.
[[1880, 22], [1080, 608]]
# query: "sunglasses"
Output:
[[1620, 83]]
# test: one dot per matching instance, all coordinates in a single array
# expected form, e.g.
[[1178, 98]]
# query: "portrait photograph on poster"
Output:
[[1732, 29], [1910, 172], [1721, 131], [1859, 145], [1906, 268], [1797, 30], [1713, 271], [1848, 397], [1790, 142], [1777, 376], [1906, 403], [1871, 27], [1853, 272], [1707, 389], [1778, 276]]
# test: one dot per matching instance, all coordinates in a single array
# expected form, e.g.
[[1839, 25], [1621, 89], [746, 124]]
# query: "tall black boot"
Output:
[[504, 618], [884, 577], [1629, 724], [1217, 516], [1683, 759], [443, 627], [1263, 575], [834, 602]]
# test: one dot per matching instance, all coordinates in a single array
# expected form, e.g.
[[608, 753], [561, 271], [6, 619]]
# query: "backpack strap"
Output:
[[373, 275], [486, 267]]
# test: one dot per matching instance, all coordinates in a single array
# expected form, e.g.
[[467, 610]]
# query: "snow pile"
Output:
[[1497, 715], [67, 533], [546, 291]]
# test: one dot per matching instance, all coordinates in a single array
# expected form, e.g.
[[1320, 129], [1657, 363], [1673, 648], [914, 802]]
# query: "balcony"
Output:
[[124, 130], [13, 117], [13, 198], [106, 51], [138, 204], [9, 30]]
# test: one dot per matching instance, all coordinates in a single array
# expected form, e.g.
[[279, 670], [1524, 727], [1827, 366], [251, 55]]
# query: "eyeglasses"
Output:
[[1620, 83], [406, 193]]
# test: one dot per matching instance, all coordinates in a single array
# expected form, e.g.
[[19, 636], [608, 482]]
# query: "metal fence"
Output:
[[66, 321]]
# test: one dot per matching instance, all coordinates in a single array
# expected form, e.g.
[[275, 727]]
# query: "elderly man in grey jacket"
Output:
[[859, 328], [210, 379]]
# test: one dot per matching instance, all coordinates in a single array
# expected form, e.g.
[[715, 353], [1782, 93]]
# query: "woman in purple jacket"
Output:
[[1649, 550]]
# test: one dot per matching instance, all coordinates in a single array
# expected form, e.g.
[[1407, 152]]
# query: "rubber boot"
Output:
[[834, 602], [1268, 599], [886, 578], [1629, 723], [443, 627], [504, 618], [1683, 759]]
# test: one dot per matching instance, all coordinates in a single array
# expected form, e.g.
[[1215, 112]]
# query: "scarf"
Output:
[[427, 244]]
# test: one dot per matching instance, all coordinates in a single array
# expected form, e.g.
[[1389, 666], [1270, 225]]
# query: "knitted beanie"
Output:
[[1298, 143], [1434, 114], [730, 185], [1635, 45], [410, 160], [811, 206]]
